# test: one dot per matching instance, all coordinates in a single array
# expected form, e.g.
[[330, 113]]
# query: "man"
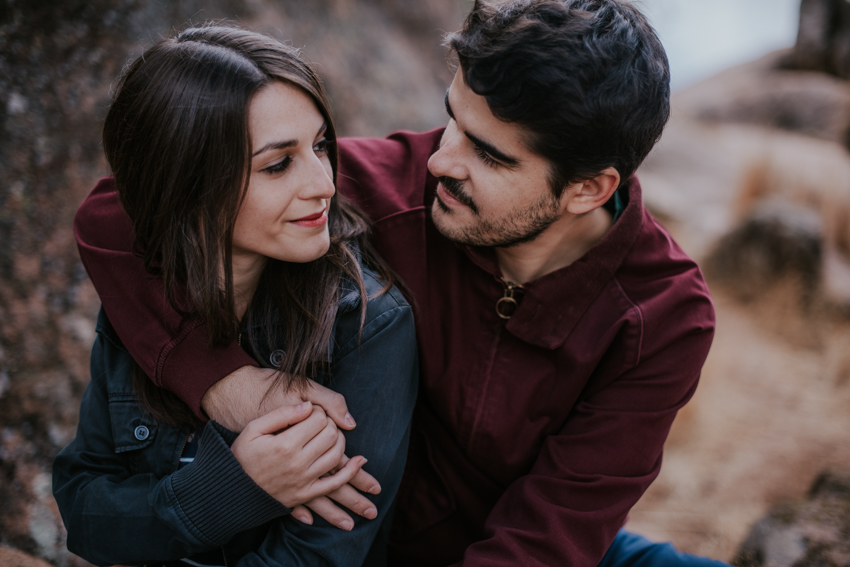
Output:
[[560, 327]]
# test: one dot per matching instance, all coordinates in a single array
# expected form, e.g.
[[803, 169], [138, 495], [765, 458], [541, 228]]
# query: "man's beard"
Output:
[[516, 227]]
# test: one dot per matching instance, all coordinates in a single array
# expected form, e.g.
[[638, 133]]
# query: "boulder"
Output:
[[823, 39], [814, 532]]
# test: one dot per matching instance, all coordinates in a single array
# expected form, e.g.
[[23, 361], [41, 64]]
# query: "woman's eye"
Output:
[[485, 157], [280, 166], [322, 146]]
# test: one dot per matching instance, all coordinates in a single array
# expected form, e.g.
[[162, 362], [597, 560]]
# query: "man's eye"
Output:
[[280, 166], [485, 157]]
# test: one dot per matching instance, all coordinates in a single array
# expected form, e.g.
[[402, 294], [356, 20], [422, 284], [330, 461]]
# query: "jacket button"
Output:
[[142, 433]]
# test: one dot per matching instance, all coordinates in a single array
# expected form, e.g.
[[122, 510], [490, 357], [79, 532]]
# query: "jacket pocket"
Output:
[[132, 428]]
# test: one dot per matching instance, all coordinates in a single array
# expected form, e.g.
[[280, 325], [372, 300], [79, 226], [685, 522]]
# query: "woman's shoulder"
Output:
[[385, 308]]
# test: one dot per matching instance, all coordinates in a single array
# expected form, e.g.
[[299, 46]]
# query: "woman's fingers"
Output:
[[302, 514], [363, 481], [279, 419], [332, 513], [329, 461], [348, 497], [333, 403], [340, 478]]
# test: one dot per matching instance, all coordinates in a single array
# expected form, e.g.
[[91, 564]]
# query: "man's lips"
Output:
[[447, 197], [314, 220]]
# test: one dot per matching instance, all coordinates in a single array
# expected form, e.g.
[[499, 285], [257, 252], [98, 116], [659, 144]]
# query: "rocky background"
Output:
[[752, 177]]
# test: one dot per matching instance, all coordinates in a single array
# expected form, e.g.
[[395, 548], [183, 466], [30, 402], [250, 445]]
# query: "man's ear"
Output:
[[585, 196]]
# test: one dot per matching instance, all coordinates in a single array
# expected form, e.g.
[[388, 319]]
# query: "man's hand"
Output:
[[240, 397], [294, 453]]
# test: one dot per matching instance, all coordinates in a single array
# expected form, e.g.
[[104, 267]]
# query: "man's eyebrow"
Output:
[[494, 153], [287, 143], [487, 147]]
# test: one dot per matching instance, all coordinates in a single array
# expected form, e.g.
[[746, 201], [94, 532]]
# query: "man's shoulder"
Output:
[[662, 281], [385, 176]]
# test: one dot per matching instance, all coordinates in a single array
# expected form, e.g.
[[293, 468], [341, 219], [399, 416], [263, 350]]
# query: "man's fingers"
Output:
[[303, 515], [278, 419], [332, 513], [347, 496], [333, 403]]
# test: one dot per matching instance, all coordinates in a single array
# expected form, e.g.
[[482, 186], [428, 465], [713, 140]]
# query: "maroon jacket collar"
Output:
[[553, 304]]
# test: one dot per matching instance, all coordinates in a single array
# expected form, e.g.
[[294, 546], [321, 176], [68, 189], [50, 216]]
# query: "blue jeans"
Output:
[[632, 550]]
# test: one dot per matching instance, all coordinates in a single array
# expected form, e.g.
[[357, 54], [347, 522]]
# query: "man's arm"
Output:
[[173, 352], [569, 507]]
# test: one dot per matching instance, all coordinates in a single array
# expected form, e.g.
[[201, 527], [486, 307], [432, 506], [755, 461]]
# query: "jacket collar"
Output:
[[553, 303]]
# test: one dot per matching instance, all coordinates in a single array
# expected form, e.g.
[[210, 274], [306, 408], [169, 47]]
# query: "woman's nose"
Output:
[[320, 185]]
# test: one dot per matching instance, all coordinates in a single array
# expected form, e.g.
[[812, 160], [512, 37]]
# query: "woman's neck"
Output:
[[247, 268]]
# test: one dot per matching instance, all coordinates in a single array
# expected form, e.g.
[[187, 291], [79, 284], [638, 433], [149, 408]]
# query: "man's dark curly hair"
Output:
[[587, 79]]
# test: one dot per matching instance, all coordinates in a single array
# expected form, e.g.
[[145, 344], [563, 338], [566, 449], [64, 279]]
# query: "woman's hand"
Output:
[[346, 496], [294, 453]]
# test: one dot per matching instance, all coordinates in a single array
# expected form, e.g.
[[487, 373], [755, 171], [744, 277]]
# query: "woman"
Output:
[[222, 151]]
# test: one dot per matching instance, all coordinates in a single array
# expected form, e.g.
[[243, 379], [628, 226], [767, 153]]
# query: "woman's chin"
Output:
[[307, 250]]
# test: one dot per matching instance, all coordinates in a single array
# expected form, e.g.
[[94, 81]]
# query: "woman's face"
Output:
[[284, 214]]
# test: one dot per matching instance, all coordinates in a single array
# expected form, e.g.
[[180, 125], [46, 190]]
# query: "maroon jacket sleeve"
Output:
[[173, 352], [576, 497]]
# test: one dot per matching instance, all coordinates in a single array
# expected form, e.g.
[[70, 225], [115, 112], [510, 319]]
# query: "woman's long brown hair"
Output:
[[177, 140]]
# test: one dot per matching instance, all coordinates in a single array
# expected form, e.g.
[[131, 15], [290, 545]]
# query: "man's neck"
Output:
[[567, 240]]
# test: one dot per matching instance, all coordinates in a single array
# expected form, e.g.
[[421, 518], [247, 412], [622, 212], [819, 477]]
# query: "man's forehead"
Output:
[[475, 119]]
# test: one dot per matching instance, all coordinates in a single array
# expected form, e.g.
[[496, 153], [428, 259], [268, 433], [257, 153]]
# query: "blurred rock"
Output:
[[765, 94], [814, 532], [823, 39], [13, 558], [779, 239]]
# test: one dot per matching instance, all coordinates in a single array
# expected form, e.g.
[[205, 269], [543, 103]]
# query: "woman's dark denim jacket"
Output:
[[123, 499]]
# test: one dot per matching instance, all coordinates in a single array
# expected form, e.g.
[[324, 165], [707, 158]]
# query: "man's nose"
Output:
[[447, 161]]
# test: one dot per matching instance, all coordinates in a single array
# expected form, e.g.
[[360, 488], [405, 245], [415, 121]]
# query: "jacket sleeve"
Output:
[[378, 374], [116, 515], [568, 510], [173, 352]]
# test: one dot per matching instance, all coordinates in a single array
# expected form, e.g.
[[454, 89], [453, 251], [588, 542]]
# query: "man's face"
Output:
[[493, 190]]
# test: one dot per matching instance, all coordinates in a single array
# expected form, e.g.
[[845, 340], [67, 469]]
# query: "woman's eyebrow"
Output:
[[275, 146], [286, 144]]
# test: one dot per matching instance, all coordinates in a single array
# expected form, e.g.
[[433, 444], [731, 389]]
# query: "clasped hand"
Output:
[[295, 452]]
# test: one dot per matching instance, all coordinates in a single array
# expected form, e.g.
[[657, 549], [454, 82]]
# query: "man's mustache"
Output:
[[454, 187]]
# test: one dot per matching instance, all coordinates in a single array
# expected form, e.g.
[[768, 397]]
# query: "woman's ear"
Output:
[[585, 196]]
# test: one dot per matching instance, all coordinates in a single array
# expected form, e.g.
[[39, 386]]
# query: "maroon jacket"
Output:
[[533, 437]]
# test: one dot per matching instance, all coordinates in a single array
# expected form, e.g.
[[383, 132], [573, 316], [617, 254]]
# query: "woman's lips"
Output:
[[312, 221]]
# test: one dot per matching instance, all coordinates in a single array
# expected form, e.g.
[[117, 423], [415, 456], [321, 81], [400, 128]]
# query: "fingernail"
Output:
[[304, 519], [303, 406], [349, 421], [347, 525], [375, 489], [370, 513]]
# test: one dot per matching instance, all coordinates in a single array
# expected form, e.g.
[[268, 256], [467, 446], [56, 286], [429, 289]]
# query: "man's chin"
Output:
[[449, 225]]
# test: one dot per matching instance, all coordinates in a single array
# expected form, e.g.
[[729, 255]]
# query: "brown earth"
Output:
[[773, 406]]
